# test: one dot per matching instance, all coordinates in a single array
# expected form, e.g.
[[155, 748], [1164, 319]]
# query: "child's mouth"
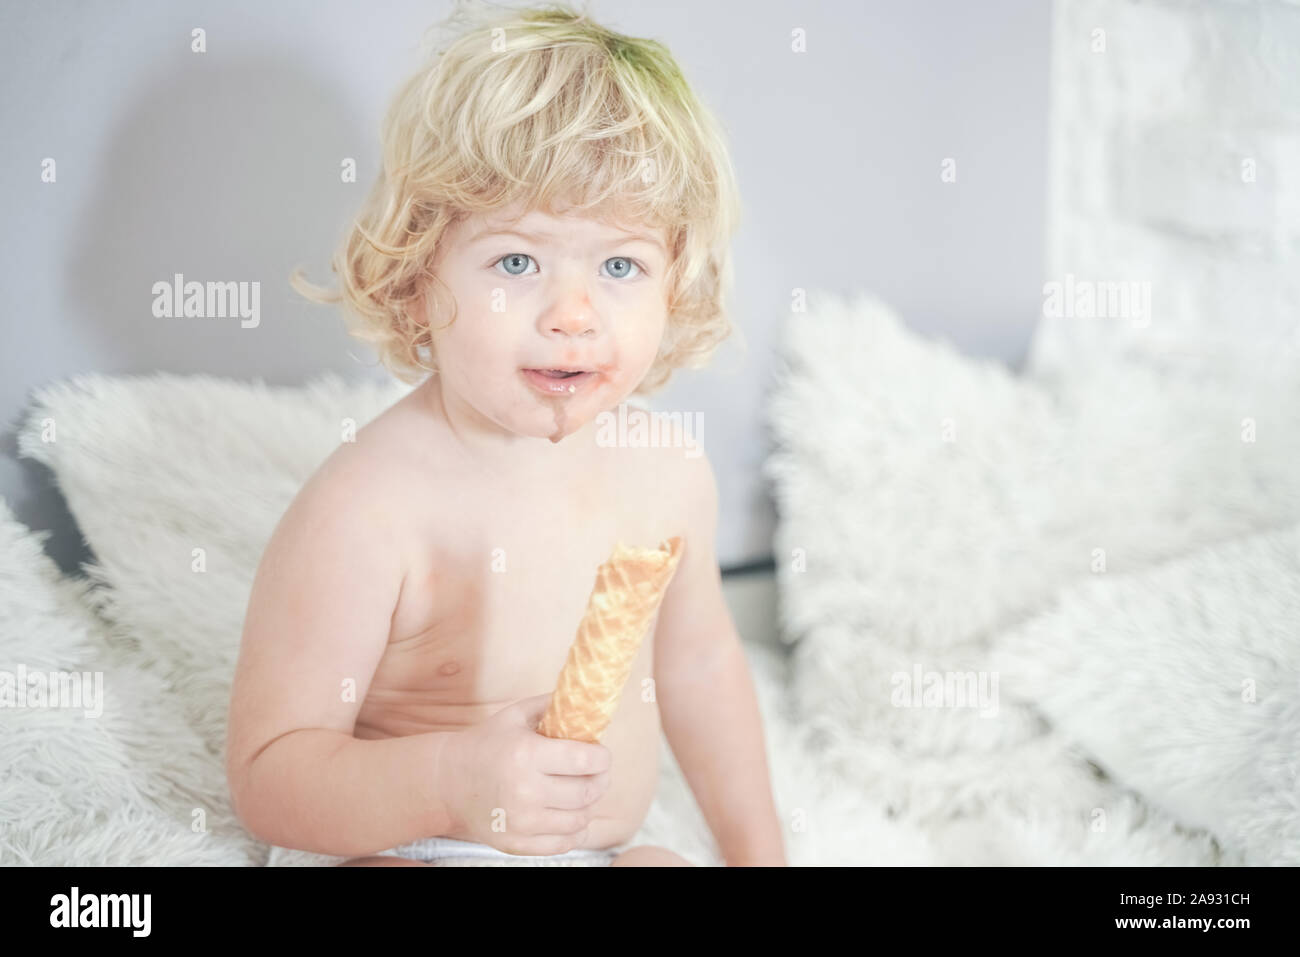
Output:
[[557, 381]]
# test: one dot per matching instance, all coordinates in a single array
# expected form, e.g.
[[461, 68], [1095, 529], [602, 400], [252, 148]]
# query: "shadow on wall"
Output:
[[222, 171]]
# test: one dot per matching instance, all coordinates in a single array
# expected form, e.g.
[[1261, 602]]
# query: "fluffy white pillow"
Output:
[[114, 783], [929, 501], [940, 496], [1184, 683], [154, 468]]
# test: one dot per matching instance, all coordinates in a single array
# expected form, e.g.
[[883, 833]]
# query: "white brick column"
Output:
[[1174, 160]]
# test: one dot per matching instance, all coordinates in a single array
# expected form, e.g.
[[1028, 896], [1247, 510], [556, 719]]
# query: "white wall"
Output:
[[224, 166], [1175, 161]]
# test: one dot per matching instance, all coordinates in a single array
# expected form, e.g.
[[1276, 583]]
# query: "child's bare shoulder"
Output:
[[369, 487], [669, 485]]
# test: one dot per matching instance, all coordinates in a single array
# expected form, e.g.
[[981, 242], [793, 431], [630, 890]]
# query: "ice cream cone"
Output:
[[629, 587]]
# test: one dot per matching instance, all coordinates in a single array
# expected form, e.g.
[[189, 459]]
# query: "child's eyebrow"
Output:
[[489, 231]]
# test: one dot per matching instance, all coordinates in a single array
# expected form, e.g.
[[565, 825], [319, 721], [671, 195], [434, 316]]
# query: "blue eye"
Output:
[[514, 258], [627, 264]]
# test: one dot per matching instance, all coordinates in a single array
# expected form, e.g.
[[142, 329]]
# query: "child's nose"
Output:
[[572, 315]]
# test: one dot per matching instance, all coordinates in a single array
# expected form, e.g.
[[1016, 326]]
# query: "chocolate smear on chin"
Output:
[[558, 404]]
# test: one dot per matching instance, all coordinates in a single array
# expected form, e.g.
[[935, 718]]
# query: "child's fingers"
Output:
[[554, 822], [560, 756], [572, 792]]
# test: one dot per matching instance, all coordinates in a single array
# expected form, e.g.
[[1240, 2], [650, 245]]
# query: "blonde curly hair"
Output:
[[546, 107]]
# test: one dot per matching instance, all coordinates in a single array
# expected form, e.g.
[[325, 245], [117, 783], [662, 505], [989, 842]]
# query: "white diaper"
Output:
[[450, 852]]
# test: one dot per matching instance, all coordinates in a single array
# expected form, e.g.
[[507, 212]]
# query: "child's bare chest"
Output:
[[495, 591]]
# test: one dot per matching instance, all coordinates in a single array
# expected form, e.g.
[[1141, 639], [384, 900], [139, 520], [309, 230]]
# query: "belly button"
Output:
[[448, 668]]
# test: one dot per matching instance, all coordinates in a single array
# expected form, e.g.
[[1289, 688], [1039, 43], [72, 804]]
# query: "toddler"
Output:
[[547, 240]]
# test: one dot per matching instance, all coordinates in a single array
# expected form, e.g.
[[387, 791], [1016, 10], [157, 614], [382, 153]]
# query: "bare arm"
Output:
[[317, 625], [707, 704], [328, 792]]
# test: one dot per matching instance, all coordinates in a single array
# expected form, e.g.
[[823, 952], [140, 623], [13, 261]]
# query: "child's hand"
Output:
[[539, 789]]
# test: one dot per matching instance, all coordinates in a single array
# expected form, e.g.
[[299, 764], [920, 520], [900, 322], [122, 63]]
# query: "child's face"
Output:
[[575, 294]]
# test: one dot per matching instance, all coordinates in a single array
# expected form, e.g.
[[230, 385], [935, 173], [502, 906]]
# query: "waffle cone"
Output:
[[629, 587]]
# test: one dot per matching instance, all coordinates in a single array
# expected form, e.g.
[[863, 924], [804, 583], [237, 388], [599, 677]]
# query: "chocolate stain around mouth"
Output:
[[560, 407]]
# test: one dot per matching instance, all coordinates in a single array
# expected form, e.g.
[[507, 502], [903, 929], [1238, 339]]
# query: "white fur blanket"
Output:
[[942, 517]]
